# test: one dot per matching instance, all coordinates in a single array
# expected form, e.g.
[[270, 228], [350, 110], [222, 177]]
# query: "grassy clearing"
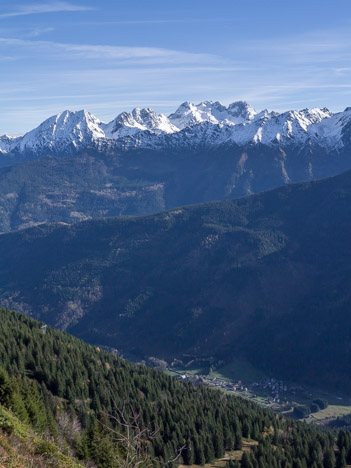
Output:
[[238, 369], [196, 371], [332, 412], [232, 455]]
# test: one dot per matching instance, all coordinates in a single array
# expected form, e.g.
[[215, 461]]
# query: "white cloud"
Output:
[[53, 7]]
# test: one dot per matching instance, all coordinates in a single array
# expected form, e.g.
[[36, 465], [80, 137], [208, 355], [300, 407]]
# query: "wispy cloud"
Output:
[[39, 31], [110, 52], [276, 73], [52, 7], [155, 21], [7, 58], [327, 46]]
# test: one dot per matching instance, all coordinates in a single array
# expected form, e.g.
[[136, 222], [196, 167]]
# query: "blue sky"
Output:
[[108, 56]]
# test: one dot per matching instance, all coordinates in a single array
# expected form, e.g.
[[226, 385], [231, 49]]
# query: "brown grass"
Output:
[[233, 454]]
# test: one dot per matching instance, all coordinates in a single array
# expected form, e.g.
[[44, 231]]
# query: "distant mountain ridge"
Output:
[[208, 123], [75, 167]]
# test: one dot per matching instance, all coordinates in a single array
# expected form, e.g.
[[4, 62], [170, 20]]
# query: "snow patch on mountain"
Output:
[[8, 143], [334, 132], [189, 114], [292, 127], [128, 124]]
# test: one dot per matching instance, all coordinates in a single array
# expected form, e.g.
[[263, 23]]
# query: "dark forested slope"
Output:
[[112, 183], [267, 277], [74, 394]]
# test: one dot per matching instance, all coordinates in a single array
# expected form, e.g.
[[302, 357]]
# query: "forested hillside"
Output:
[[265, 277], [75, 395], [96, 184]]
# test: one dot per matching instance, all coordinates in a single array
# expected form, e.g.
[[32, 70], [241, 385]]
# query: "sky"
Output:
[[110, 56]]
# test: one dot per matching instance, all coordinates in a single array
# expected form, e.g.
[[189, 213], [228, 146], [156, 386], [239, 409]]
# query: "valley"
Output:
[[240, 379], [236, 277]]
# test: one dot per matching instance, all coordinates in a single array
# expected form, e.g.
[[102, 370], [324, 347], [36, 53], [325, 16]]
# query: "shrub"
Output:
[[321, 403], [314, 408], [301, 411], [44, 447]]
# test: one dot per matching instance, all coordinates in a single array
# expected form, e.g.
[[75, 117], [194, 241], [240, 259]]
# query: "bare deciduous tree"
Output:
[[135, 440]]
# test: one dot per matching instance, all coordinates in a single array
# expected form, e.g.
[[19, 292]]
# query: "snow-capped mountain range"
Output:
[[208, 123]]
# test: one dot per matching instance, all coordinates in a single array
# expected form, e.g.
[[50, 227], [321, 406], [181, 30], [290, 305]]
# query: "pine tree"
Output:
[[245, 461], [341, 458], [188, 454], [218, 444], [6, 390], [329, 459], [238, 443]]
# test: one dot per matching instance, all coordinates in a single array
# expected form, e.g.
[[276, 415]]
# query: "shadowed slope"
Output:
[[267, 277]]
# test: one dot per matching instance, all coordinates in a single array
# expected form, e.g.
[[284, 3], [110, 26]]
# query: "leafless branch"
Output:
[[134, 440]]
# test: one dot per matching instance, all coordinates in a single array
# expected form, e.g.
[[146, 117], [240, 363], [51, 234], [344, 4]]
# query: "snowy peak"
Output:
[[316, 115], [305, 117], [186, 115], [63, 131], [333, 132], [241, 111], [247, 125], [130, 123], [8, 143], [290, 127], [189, 114]]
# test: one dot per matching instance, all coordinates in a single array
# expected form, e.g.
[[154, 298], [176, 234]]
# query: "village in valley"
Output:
[[291, 399], [267, 392]]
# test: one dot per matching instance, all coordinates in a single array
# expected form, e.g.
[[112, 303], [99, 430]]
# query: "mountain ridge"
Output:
[[207, 123]]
